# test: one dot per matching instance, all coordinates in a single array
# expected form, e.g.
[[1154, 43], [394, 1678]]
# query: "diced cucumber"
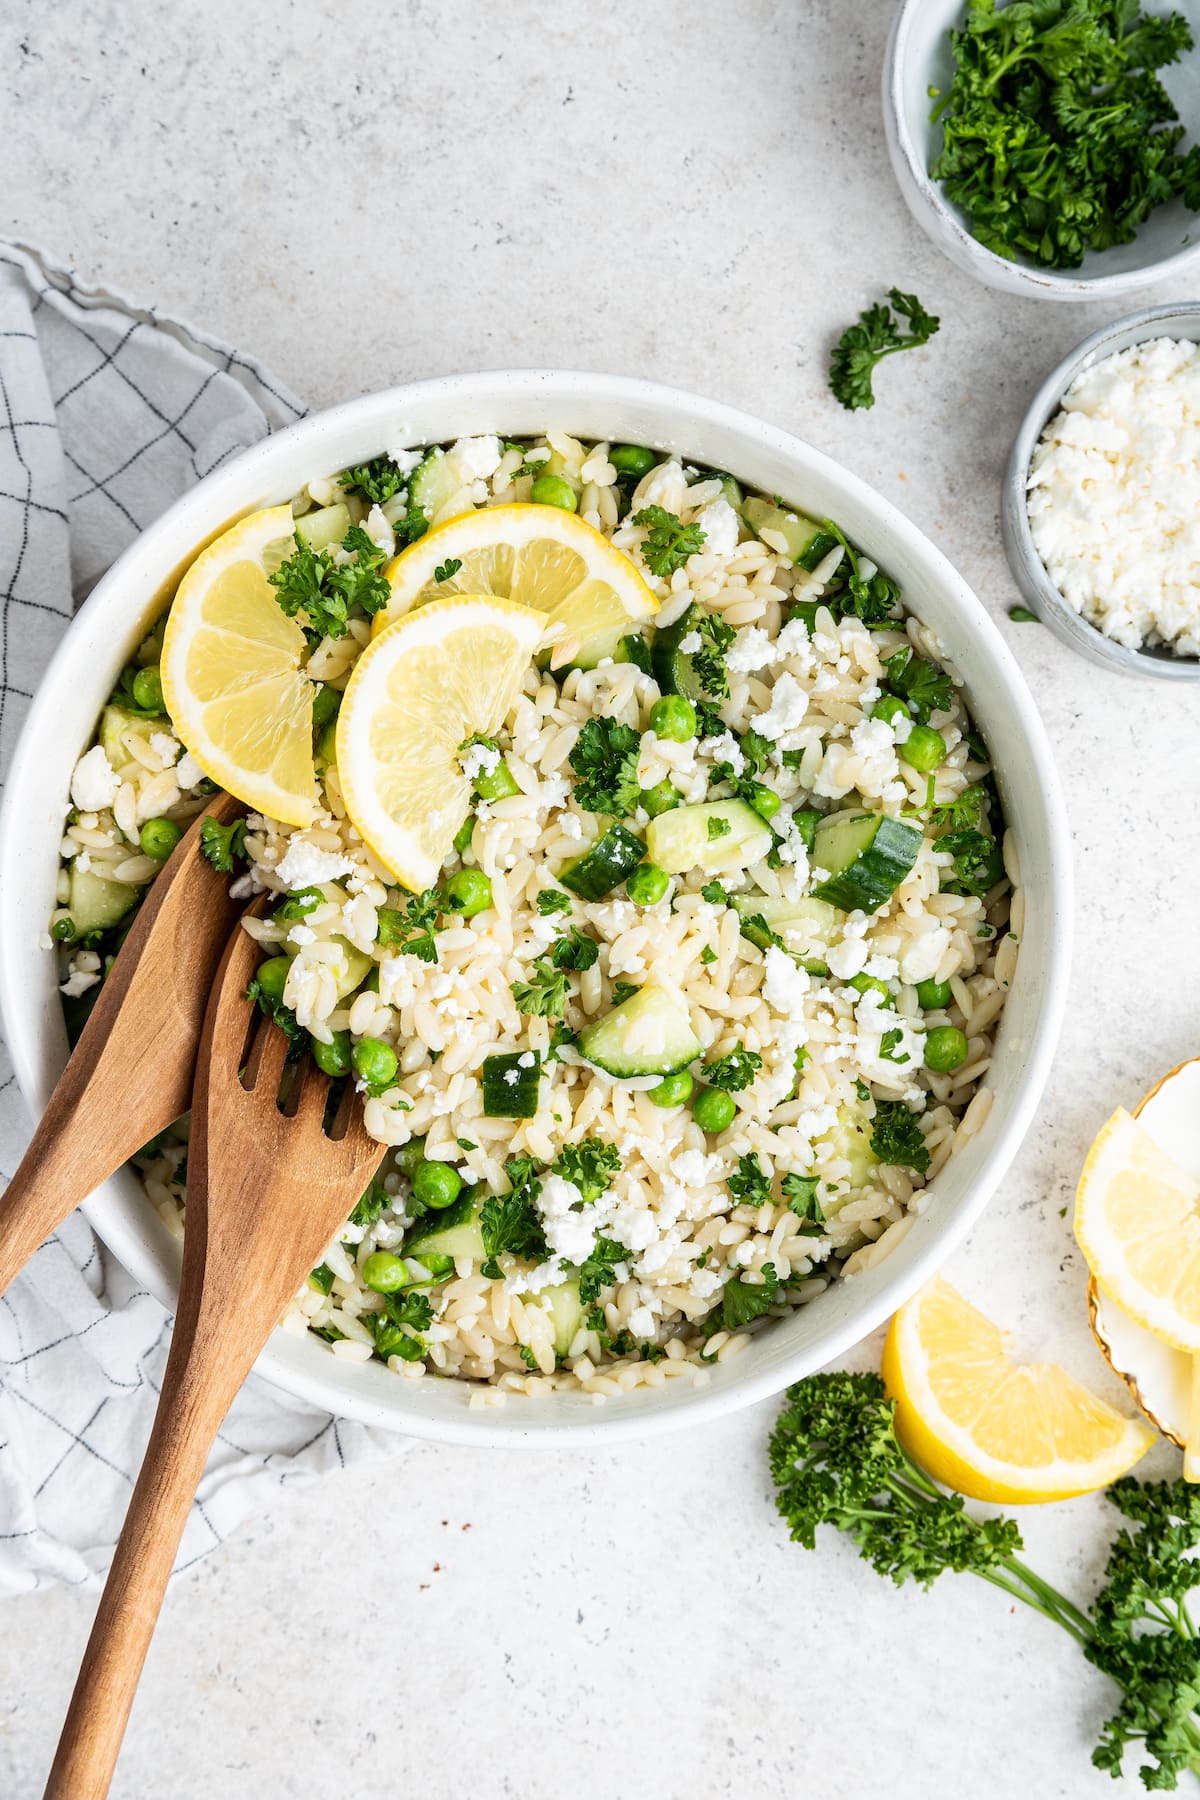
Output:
[[455, 1231], [648, 1034], [595, 647], [95, 903], [866, 856], [608, 863], [351, 969], [730, 489], [794, 528], [803, 924], [325, 527], [566, 1309], [714, 836], [510, 1085], [116, 725], [672, 667], [432, 484], [632, 647], [851, 1138]]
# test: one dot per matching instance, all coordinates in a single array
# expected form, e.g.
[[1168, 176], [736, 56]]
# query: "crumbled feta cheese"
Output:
[[95, 782], [165, 747], [188, 772], [475, 458], [302, 934], [405, 460], [789, 703], [526, 1060], [479, 759], [305, 864], [78, 982], [752, 650], [724, 749], [785, 984], [690, 644], [921, 955], [846, 959], [720, 525]]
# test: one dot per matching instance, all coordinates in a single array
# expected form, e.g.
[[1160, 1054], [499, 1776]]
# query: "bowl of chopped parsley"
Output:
[[1043, 144]]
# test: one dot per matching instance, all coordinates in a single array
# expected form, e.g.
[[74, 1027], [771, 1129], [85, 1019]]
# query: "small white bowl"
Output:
[[919, 57], [125, 602], [1029, 571]]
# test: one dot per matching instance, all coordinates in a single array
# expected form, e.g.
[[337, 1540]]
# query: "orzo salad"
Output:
[[631, 849]]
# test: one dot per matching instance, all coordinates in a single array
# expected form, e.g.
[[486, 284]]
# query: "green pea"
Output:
[[660, 798], [271, 977], [63, 931], [464, 834], [648, 884], [553, 490], [889, 708], [945, 1048], [375, 1063], [632, 459], [673, 718], [764, 800], [436, 1184], [384, 1272], [326, 702], [713, 1109], [923, 748], [332, 1058], [410, 1156], [933, 995], [158, 837], [327, 743], [147, 690], [496, 784], [469, 892], [872, 984], [674, 1090]]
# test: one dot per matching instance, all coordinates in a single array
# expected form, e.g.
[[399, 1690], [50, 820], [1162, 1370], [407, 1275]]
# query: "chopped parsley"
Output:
[[528, 1358], [605, 761], [591, 1165], [326, 591], [742, 1300], [273, 1008], [708, 662], [978, 862], [756, 931], [388, 1328], [418, 918], [896, 1136], [545, 994], [863, 346], [669, 542], [574, 950], [718, 828], [322, 1278], [223, 844], [553, 900], [714, 893], [733, 1071], [708, 954], [889, 1043], [923, 687], [598, 1271], [622, 991], [750, 1185], [874, 599], [377, 481], [372, 1203], [800, 1192], [509, 1223], [445, 571]]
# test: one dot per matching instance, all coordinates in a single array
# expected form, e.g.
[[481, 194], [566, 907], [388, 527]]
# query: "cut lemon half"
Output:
[[1137, 1218], [419, 690], [588, 592], [990, 1427], [231, 674]]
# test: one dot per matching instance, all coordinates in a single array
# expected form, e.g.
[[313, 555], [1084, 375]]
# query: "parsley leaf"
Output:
[[598, 1271], [733, 1071], [591, 1165], [714, 893], [925, 688], [669, 542], [718, 828], [372, 1203], [978, 862], [327, 591], [223, 844], [445, 571], [545, 995], [419, 916], [377, 481], [800, 1192], [896, 1136], [605, 761], [552, 900], [575, 950], [509, 1223], [877, 334], [742, 1300], [272, 1007], [708, 662], [751, 1185], [622, 991], [889, 1043]]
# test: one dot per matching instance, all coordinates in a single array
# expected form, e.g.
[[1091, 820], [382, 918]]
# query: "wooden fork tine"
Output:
[[268, 1055]]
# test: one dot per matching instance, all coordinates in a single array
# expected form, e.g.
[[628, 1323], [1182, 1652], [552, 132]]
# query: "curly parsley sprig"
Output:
[[878, 333]]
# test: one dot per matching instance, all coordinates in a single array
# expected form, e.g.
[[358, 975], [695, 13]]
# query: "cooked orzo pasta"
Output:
[[704, 994]]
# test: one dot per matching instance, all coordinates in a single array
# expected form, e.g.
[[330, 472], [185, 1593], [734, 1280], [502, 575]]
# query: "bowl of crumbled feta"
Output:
[[656, 831], [1101, 504]]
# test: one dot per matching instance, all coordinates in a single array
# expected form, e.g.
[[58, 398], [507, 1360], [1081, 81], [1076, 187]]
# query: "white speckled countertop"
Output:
[[366, 194]]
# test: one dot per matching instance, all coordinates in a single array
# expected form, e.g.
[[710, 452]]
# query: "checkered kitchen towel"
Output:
[[108, 412]]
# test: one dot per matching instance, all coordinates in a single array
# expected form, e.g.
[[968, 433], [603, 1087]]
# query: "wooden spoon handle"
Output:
[[194, 1399], [58, 1170]]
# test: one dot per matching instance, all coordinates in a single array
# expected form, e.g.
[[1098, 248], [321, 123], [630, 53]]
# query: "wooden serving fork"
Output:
[[268, 1187], [130, 1074]]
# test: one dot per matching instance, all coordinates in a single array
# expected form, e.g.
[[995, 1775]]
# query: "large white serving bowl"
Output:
[[918, 58], [127, 600]]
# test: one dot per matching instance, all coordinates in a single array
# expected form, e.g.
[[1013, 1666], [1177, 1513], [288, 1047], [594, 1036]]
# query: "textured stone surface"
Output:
[[702, 195]]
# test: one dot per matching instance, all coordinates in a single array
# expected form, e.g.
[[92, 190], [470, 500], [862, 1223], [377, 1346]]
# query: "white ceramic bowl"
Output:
[[1181, 320], [919, 57], [125, 602]]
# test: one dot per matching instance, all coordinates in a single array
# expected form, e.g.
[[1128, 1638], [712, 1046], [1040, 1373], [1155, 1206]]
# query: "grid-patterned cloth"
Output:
[[108, 412]]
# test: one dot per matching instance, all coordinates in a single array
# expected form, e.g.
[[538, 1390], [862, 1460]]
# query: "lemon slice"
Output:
[[541, 557], [1137, 1218], [434, 679], [991, 1427], [231, 673]]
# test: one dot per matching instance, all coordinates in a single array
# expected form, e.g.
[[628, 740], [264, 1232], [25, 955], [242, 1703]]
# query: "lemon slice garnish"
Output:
[[1137, 1218], [441, 675], [232, 677], [991, 1427], [588, 592]]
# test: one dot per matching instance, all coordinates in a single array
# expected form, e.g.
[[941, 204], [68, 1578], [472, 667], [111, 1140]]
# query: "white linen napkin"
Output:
[[108, 412]]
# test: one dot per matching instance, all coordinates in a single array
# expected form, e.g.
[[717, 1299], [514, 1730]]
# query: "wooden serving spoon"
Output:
[[130, 1074], [267, 1190]]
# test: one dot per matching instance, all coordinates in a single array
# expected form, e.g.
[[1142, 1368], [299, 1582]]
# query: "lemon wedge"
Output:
[[990, 1427], [588, 592], [231, 672], [1137, 1218], [434, 679]]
